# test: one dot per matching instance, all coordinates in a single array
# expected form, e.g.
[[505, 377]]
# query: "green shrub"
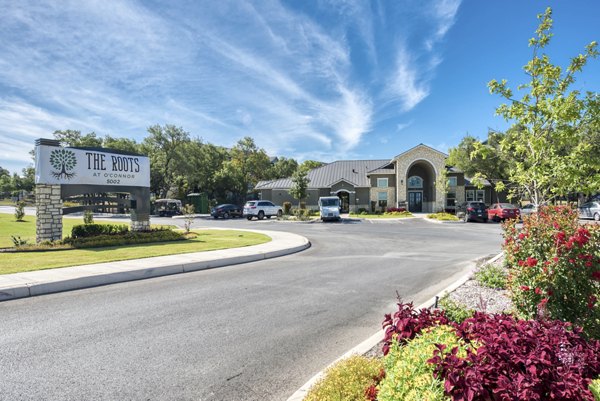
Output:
[[492, 276], [126, 238], [554, 268], [362, 210], [287, 208], [408, 375], [347, 380], [595, 389], [92, 230], [88, 217], [302, 214], [443, 216], [454, 311], [397, 214], [20, 211]]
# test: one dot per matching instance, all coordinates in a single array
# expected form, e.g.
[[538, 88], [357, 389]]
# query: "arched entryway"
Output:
[[420, 187], [344, 201]]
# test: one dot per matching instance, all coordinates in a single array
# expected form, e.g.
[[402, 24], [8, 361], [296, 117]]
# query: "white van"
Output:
[[329, 207]]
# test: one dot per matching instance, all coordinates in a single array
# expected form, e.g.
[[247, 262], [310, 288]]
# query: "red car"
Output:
[[503, 211]]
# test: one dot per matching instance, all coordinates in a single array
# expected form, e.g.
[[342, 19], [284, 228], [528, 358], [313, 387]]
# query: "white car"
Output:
[[329, 208], [261, 209], [528, 209], [590, 210]]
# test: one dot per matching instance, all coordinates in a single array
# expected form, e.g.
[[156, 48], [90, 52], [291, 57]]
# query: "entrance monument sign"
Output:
[[61, 172]]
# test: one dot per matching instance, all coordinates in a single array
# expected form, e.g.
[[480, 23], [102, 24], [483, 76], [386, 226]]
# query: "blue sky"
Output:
[[314, 79]]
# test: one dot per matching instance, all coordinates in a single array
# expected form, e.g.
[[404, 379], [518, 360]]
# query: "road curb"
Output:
[[370, 342], [27, 284]]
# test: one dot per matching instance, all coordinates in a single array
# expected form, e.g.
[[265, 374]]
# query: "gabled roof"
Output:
[[421, 146], [351, 171]]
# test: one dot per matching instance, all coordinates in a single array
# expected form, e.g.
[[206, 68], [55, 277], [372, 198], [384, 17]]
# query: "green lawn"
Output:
[[207, 240], [26, 229]]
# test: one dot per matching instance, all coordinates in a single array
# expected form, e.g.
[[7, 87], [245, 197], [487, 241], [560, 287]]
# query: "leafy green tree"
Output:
[[299, 188], [481, 160], [247, 165], [28, 179], [164, 146], [283, 168], [5, 182], [311, 164], [122, 144], [202, 165], [75, 138], [549, 139]]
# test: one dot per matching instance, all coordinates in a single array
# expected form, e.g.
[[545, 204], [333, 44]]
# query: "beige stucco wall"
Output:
[[404, 162]]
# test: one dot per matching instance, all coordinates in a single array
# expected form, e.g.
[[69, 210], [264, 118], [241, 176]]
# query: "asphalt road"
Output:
[[256, 331]]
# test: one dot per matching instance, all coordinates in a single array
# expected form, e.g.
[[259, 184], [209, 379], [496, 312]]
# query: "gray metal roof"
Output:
[[469, 183], [351, 171]]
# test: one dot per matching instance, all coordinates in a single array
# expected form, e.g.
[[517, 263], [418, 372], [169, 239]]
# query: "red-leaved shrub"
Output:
[[554, 268], [520, 360], [406, 323], [395, 209]]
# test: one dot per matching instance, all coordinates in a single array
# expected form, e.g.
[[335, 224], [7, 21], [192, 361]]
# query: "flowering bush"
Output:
[[519, 360], [406, 323], [554, 268]]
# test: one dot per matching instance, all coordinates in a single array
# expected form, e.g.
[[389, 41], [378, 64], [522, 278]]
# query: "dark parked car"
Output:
[[503, 211], [472, 210], [226, 211]]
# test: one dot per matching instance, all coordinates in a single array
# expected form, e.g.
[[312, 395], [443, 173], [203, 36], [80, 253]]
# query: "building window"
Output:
[[382, 183], [475, 195], [415, 182], [451, 194], [382, 198]]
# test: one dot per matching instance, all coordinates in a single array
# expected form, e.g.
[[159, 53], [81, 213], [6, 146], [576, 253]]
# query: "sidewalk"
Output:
[[21, 285]]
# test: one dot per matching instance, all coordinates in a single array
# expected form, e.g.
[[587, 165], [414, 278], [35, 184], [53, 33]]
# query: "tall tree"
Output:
[[123, 144], [164, 147], [71, 137], [203, 162], [283, 168], [247, 165], [548, 138], [481, 160], [311, 164], [5, 183]]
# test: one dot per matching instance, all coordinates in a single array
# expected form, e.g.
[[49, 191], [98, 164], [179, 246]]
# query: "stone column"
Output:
[[140, 210], [48, 212]]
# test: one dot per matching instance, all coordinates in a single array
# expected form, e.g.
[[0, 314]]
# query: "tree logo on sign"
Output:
[[63, 160]]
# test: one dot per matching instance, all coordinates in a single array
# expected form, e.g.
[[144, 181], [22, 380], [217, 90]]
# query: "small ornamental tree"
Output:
[[20, 211], [299, 187], [551, 150], [554, 268]]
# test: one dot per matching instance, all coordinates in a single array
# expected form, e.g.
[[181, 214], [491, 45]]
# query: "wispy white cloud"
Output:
[[293, 80], [401, 126]]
